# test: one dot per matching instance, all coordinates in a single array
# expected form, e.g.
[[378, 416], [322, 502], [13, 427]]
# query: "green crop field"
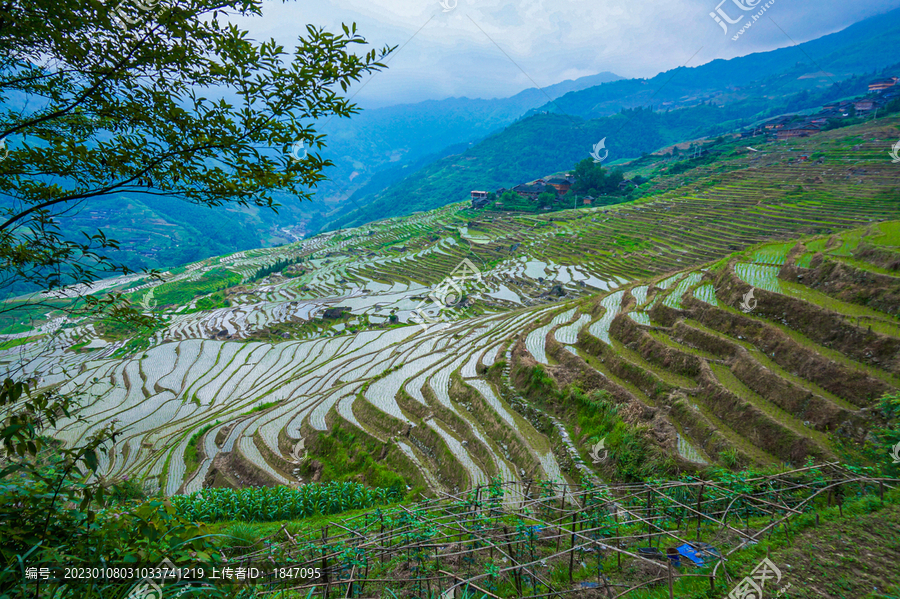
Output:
[[740, 321]]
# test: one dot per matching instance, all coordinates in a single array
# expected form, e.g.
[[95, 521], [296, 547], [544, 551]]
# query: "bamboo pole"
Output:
[[572, 548]]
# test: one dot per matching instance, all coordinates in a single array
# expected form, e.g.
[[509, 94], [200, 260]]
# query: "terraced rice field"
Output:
[[761, 277], [645, 298]]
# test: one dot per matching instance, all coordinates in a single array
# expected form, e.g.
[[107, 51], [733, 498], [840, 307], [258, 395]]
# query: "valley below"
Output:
[[532, 301], [744, 315]]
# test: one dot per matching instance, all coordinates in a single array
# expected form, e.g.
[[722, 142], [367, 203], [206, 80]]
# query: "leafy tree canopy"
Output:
[[593, 180], [167, 100], [163, 99]]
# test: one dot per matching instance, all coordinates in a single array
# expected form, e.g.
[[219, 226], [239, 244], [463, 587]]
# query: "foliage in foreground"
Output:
[[267, 504], [881, 450], [122, 117], [54, 510]]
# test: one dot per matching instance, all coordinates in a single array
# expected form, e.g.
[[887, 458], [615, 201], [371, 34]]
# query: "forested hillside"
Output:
[[546, 143], [859, 49]]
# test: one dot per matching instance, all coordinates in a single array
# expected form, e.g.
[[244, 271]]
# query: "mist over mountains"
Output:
[[394, 160]]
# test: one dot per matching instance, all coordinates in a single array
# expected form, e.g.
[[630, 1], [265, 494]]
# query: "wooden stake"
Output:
[[618, 541], [325, 561], [381, 536], [572, 549], [699, 515], [517, 575], [350, 584], [671, 594]]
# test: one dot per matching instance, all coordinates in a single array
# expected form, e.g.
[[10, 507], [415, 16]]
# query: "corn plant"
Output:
[[267, 504]]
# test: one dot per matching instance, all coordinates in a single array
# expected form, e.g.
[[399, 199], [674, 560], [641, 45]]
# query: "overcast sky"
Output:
[[496, 48]]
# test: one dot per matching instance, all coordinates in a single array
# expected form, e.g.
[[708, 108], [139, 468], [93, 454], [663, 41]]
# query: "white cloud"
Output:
[[481, 47]]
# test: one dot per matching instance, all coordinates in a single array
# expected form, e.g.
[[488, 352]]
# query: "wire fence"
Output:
[[557, 540]]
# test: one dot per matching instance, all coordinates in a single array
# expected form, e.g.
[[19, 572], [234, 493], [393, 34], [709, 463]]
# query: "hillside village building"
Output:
[[879, 85], [479, 199]]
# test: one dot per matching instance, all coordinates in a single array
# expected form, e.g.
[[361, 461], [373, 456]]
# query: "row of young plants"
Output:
[[268, 504]]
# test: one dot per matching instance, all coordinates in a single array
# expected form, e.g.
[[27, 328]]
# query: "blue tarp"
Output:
[[690, 553]]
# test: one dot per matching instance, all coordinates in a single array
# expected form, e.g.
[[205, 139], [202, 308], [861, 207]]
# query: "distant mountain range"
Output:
[[372, 151], [687, 103], [864, 47], [399, 159], [383, 141]]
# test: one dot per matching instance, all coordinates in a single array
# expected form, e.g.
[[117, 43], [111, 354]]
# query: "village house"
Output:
[[479, 199], [531, 191], [879, 85], [842, 107], [561, 184], [799, 130], [824, 116], [778, 123], [864, 105]]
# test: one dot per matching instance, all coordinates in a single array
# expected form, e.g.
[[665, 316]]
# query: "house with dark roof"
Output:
[[778, 123], [804, 129], [864, 105], [532, 191], [879, 85], [823, 116], [479, 199], [842, 106], [560, 184]]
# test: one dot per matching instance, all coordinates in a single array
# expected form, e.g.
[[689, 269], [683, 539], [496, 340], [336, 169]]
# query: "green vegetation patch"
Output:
[[182, 292], [594, 416], [597, 418], [344, 454], [192, 453], [268, 504], [11, 343]]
